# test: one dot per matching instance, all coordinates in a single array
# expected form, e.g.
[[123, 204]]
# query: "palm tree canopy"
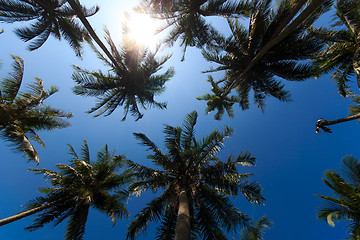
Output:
[[47, 17], [342, 53], [288, 59], [79, 186], [134, 84], [192, 165], [186, 18], [23, 113], [345, 206]]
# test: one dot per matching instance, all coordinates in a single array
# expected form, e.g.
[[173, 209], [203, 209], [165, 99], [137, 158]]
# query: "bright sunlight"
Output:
[[142, 28]]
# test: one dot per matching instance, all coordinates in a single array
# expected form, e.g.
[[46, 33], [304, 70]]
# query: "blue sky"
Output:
[[291, 157]]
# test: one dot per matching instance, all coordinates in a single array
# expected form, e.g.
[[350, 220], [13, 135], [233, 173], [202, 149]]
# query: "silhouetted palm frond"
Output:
[[48, 17], [23, 113], [345, 205]]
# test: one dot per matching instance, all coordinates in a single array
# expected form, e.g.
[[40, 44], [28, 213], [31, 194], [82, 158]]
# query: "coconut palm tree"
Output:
[[274, 45], [221, 104], [134, 84], [196, 185], [77, 187], [255, 231], [48, 17], [22, 114], [342, 53], [186, 18], [345, 206]]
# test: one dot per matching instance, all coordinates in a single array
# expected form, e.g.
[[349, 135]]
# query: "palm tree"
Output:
[[186, 18], [255, 231], [196, 185], [22, 114], [218, 101], [342, 52], [77, 187], [134, 83], [345, 206], [48, 17], [283, 60]]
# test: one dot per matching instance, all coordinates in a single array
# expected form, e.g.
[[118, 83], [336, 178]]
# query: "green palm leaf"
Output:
[[51, 17], [23, 113], [345, 205]]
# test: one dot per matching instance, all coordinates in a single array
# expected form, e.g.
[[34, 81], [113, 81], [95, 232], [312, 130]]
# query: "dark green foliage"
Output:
[[218, 102], [48, 17], [285, 60], [345, 205], [192, 165], [355, 109], [342, 53], [79, 186], [23, 113], [255, 231], [186, 18], [132, 86]]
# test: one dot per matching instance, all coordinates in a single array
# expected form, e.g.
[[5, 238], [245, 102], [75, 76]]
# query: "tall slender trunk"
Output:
[[321, 123], [92, 33], [19, 216], [183, 226], [282, 33]]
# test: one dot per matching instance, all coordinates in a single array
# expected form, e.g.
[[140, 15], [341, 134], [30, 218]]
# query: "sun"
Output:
[[142, 29]]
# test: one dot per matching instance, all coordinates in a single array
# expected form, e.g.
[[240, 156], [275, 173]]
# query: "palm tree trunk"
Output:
[[30, 212], [183, 227], [92, 33], [282, 33], [321, 123]]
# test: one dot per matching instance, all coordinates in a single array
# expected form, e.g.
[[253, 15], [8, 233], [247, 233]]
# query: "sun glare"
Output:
[[142, 29]]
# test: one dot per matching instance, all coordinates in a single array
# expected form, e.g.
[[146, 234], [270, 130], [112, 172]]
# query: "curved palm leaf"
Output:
[[255, 231], [186, 18], [48, 17], [23, 113], [345, 206], [341, 55]]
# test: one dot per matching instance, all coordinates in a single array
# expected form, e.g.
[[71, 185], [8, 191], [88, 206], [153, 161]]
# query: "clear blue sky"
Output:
[[291, 158]]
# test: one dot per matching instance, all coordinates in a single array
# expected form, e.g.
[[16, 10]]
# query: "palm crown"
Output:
[[284, 60], [342, 52], [186, 18], [345, 206], [53, 17], [22, 114], [191, 167], [134, 83], [81, 185]]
